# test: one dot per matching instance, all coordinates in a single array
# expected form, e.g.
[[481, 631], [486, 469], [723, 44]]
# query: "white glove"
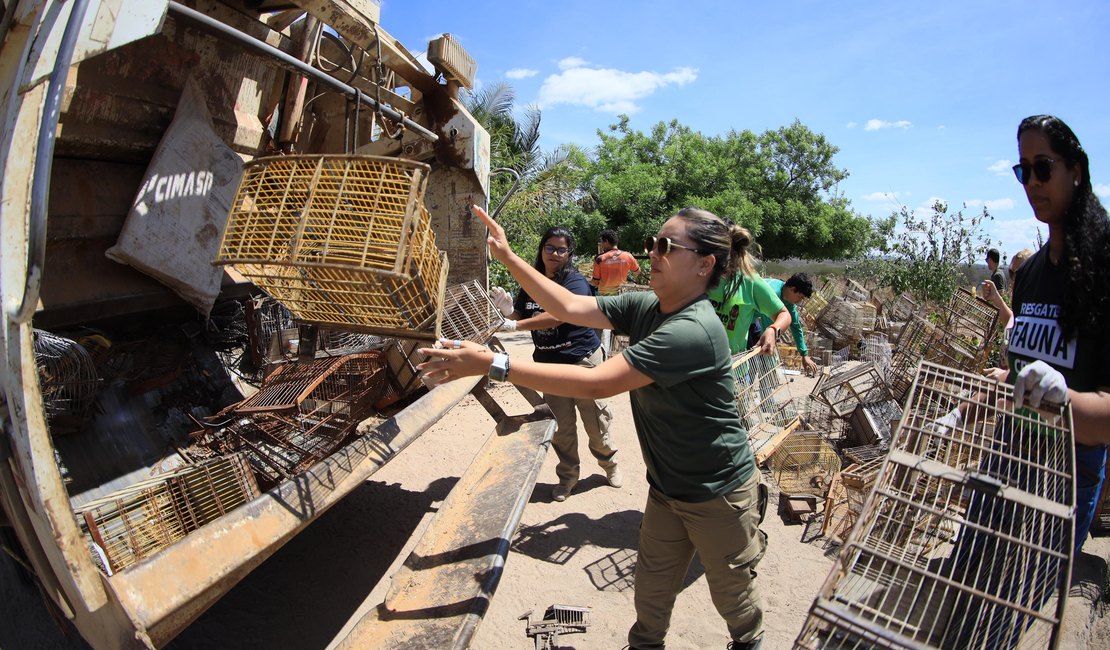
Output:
[[507, 326], [950, 420], [1043, 382], [502, 300]]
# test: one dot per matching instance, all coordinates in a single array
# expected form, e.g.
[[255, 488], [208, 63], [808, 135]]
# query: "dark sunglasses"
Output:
[[663, 245], [1042, 168]]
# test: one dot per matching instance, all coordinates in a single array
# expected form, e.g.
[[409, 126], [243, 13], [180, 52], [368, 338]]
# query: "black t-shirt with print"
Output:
[[1084, 360], [566, 343]]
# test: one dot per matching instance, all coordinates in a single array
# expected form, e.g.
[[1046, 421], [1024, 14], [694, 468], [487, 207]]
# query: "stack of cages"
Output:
[[762, 395], [966, 539], [913, 343], [844, 391], [132, 524], [302, 413], [967, 330], [342, 241]]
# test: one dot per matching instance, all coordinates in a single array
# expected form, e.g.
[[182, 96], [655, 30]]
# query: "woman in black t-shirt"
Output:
[[1063, 295], [559, 342]]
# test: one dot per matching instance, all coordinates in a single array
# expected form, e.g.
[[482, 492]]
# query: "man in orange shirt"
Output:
[[612, 266]]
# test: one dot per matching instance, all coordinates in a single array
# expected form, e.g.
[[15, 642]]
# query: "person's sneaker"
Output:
[[561, 491], [750, 645], [615, 478]]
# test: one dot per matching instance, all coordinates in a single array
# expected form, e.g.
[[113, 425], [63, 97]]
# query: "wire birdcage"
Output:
[[900, 308], [762, 393], [132, 524], [846, 390], [875, 349], [341, 241], [913, 343], [804, 464], [847, 495], [319, 388], [67, 377], [812, 308], [469, 314], [966, 539], [872, 423]]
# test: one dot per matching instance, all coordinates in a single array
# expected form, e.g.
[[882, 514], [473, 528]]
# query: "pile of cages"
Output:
[[844, 391], [302, 413], [804, 463], [68, 380], [875, 349], [132, 524], [913, 344], [846, 497], [966, 539], [342, 241], [873, 422], [967, 330], [469, 314]]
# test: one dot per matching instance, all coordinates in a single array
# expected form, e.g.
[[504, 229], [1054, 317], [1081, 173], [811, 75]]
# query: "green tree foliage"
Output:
[[928, 256], [781, 185]]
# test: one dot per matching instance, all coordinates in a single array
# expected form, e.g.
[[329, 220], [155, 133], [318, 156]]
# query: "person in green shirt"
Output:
[[739, 298], [706, 494], [796, 290]]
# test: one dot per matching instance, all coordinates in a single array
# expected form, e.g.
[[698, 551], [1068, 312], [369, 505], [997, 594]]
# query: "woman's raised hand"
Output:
[[498, 242]]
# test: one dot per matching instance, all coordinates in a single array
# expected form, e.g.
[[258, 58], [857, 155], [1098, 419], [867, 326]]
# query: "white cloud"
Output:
[[882, 196], [876, 124], [1002, 168], [991, 204], [1012, 235], [571, 62], [851, 125], [521, 73], [607, 90], [1102, 190]]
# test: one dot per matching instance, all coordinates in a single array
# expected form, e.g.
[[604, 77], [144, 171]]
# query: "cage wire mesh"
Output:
[[875, 349], [966, 539], [846, 390], [847, 495], [804, 464], [469, 314], [301, 414], [812, 308], [913, 343], [68, 379], [762, 392], [129, 525], [341, 241], [873, 422]]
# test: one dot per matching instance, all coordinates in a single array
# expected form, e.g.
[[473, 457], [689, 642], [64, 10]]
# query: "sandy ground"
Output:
[[580, 552]]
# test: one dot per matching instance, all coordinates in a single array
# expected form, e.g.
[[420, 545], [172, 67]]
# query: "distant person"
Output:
[[559, 342], [1016, 261], [612, 265], [740, 297], [997, 276], [793, 292]]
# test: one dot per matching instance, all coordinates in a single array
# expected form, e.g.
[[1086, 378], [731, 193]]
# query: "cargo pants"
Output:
[[725, 533], [596, 417]]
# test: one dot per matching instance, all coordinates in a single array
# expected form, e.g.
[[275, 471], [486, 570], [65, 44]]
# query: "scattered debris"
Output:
[[558, 619]]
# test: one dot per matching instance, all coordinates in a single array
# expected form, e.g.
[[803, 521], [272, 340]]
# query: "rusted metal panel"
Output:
[[443, 589], [168, 591]]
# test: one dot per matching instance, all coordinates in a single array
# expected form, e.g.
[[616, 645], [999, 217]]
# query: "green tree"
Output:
[[781, 185], [928, 256]]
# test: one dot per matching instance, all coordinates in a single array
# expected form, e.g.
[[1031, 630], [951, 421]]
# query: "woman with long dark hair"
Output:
[[1061, 300], [706, 494], [559, 342]]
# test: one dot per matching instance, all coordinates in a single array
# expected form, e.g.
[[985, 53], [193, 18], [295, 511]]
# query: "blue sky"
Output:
[[923, 99]]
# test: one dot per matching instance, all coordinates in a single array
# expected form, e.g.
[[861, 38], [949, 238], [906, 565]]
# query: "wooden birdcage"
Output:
[[762, 394], [966, 539], [913, 343], [847, 495], [812, 308], [132, 524], [341, 241]]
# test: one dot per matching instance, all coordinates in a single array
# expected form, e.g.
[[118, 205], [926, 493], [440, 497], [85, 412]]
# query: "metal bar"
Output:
[[44, 161], [292, 63]]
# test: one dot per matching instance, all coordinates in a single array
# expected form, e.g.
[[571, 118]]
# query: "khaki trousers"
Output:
[[725, 533], [596, 417]]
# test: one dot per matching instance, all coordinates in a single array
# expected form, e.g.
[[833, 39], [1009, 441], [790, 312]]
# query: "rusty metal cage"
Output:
[[469, 314], [762, 394], [844, 391], [319, 388], [341, 241], [966, 539], [132, 524], [804, 464]]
